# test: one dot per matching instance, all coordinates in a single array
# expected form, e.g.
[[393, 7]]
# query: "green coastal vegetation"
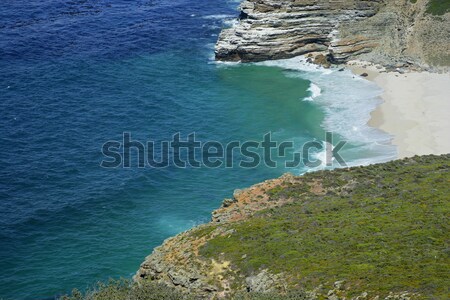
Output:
[[438, 7], [380, 228], [377, 229], [124, 289]]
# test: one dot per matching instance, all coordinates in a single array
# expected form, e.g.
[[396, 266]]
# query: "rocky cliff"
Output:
[[381, 31], [178, 262], [370, 232]]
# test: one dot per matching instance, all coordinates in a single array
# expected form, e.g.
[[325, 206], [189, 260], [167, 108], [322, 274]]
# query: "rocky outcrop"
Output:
[[177, 262], [377, 30], [197, 263]]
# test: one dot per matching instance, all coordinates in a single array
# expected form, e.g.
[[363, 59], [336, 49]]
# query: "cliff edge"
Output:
[[383, 32], [374, 232]]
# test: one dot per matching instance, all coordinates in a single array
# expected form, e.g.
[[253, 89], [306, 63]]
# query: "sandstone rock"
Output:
[[322, 60], [339, 285], [333, 297], [376, 30], [362, 296], [280, 29], [237, 193], [228, 202], [263, 282], [177, 262]]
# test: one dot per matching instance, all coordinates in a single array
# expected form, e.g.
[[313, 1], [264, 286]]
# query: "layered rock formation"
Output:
[[377, 30]]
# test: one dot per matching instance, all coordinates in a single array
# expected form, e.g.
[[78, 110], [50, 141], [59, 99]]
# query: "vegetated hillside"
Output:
[[374, 232], [437, 7], [380, 229]]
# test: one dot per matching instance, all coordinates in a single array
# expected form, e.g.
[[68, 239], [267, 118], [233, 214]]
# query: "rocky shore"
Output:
[[332, 234], [178, 263], [238, 251], [395, 33]]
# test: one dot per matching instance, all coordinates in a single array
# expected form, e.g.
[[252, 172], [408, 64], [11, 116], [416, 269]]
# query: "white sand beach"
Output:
[[415, 111]]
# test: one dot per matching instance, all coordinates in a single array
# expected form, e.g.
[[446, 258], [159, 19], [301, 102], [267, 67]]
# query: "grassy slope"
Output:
[[438, 7], [387, 231]]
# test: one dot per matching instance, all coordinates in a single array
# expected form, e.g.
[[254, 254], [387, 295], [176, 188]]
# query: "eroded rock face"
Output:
[[341, 30], [262, 282], [270, 29], [177, 262], [183, 262]]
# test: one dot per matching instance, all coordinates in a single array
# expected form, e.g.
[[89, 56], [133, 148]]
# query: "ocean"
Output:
[[76, 74]]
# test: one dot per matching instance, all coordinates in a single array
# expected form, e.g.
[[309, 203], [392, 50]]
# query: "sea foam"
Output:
[[315, 92], [347, 101]]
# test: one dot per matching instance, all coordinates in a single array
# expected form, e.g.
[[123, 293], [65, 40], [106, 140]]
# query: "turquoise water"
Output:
[[75, 74]]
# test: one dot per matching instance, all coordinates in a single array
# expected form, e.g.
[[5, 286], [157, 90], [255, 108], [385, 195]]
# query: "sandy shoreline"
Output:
[[415, 109]]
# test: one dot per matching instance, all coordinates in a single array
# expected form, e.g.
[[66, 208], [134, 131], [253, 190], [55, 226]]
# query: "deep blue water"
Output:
[[75, 74]]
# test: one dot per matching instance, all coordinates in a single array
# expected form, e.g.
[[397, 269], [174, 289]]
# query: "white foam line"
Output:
[[218, 17], [315, 92], [347, 101]]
